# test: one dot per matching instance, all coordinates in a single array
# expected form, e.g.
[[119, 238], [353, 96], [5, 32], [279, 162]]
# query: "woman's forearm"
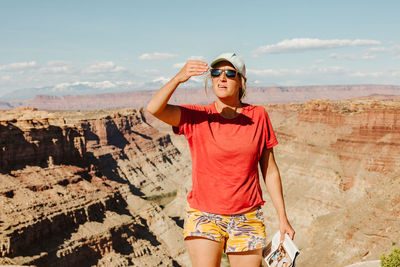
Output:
[[274, 186], [159, 101]]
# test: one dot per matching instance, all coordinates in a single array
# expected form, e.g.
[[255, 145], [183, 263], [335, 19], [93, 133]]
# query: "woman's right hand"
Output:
[[191, 68], [158, 105]]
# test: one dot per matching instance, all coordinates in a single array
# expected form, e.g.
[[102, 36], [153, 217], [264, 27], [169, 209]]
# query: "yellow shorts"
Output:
[[238, 232]]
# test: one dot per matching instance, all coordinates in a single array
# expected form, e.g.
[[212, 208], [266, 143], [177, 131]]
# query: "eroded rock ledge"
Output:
[[70, 187]]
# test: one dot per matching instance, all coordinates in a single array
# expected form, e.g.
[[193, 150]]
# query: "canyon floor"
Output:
[[108, 188]]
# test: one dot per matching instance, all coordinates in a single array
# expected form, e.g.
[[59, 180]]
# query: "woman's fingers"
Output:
[[199, 66], [192, 68], [285, 227]]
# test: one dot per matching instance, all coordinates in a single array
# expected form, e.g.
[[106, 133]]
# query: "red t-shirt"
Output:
[[225, 155]]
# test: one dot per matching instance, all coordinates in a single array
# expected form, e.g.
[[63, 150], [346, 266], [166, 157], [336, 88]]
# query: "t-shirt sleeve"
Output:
[[186, 122], [270, 138]]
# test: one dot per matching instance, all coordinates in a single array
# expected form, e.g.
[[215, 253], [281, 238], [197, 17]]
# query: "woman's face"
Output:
[[223, 86]]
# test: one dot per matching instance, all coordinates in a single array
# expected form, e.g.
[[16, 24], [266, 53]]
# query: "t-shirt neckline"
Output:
[[216, 111]]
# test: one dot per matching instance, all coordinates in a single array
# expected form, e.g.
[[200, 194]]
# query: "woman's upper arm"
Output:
[[170, 115], [267, 161]]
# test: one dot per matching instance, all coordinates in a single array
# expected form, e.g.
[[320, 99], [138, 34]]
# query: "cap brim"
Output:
[[220, 60]]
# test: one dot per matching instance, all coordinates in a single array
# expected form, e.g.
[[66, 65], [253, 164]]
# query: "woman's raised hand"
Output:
[[191, 68]]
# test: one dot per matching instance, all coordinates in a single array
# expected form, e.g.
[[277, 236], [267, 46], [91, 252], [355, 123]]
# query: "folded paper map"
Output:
[[281, 255]]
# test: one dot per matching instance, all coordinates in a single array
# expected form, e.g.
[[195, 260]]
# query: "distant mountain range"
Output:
[[72, 88], [255, 95]]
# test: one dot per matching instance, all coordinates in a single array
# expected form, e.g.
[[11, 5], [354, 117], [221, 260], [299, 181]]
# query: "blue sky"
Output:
[[105, 46]]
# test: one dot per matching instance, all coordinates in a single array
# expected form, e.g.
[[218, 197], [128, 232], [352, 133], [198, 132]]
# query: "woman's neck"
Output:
[[228, 110]]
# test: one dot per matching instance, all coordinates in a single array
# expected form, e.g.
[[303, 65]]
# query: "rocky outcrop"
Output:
[[340, 164], [70, 186], [37, 142]]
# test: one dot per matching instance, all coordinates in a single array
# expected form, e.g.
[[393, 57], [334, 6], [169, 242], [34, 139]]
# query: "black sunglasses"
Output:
[[228, 73]]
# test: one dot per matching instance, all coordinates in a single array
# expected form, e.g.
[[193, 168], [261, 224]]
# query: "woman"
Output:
[[227, 140]]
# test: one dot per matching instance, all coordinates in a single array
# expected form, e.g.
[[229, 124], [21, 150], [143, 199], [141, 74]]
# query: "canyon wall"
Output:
[[340, 165], [74, 189], [340, 168], [108, 188]]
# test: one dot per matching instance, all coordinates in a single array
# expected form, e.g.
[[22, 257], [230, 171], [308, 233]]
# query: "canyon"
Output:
[[340, 169], [108, 187], [74, 187]]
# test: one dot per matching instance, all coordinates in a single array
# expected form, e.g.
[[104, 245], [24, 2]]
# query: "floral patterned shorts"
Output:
[[238, 232]]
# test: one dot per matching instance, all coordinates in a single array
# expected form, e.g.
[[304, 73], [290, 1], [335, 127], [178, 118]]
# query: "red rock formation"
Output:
[[36, 142], [372, 128], [65, 185], [340, 164]]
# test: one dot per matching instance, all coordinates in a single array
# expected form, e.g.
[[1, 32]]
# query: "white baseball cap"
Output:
[[235, 60]]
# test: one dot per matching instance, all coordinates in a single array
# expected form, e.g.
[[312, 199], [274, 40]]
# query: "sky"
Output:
[[115, 46]]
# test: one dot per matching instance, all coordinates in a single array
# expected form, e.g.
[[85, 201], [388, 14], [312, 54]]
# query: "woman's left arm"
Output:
[[272, 180]]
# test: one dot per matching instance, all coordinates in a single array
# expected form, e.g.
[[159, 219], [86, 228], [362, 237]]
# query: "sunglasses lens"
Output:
[[216, 72], [230, 73]]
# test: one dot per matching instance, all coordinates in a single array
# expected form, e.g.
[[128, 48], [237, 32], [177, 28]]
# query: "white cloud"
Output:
[[376, 74], [157, 55], [103, 67], [395, 73], [306, 44], [55, 69], [390, 49], [301, 71], [57, 63], [197, 79], [343, 56], [18, 66], [366, 74], [101, 85], [368, 56], [6, 78], [151, 71], [197, 58], [329, 70], [394, 49], [267, 72], [97, 85], [161, 80], [179, 65]]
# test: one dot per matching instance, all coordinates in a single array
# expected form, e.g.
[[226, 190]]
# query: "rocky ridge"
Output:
[[339, 162], [340, 165], [74, 189]]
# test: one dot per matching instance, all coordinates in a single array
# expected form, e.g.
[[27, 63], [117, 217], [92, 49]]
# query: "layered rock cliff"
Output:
[[340, 168], [74, 187], [340, 165], [99, 194]]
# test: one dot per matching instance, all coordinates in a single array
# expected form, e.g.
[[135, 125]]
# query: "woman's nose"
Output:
[[222, 76]]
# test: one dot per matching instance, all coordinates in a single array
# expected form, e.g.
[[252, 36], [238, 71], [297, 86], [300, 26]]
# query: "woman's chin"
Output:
[[222, 94]]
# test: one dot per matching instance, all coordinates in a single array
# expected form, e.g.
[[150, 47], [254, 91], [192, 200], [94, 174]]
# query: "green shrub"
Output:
[[392, 260]]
